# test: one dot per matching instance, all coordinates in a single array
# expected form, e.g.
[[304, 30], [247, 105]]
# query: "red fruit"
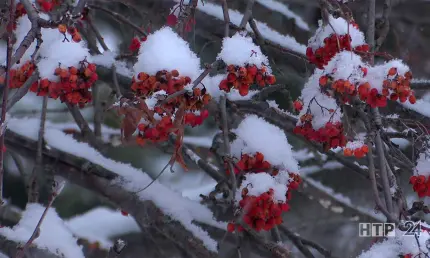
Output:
[[134, 45], [204, 113], [46, 6], [412, 99], [298, 105], [172, 20], [92, 67], [323, 80], [270, 79], [124, 213], [231, 77], [392, 71], [141, 127], [230, 227]]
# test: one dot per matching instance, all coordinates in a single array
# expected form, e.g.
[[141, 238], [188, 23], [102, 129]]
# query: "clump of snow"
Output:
[[107, 59], [254, 134], [54, 235], [131, 179], [240, 50], [260, 183], [378, 73], [101, 225], [283, 9], [53, 51], [341, 27], [313, 99], [265, 31], [354, 145], [165, 50], [392, 247], [423, 164]]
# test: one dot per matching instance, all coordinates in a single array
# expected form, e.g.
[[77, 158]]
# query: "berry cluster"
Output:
[[19, 76], [260, 212], [332, 45], [241, 78], [163, 82], [340, 88], [252, 164], [135, 44], [420, 185], [397, 86], [76, 36], [293, 184], [48, 5], [73, 84], [19, 11], [155, 133], [358, 152], [331, 135]]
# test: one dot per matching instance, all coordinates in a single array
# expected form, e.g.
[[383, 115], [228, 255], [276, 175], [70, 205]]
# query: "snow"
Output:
[[283, 9], [421, 106], [330, 165], [130, 179], [313, 99], [340, 27], [240, 50], [255, 134], [260, 183], [265, 31], [423, 164], [392, 247], [165, 50], [102, 224], [377, 74], [107, 59], [54, 235], [344, 200], [67, 53]]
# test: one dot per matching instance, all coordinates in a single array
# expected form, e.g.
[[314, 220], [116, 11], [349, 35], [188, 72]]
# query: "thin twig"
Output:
[[247, 14], [115, 82], [119, 18], [226, 18], [33, 186], [97, 33], [86, 131], [226, 142], [297, 241], [36, 233], [6, 90]]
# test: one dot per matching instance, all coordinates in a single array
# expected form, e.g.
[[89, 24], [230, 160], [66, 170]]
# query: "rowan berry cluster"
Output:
[[73, 85], [135, 44], [332, 45], [48, 5], [398, 87], [331, 135], [356, 150], [420, 185], [165, 82], [242, 77], [19, 11], [76, 36], [19, 76], [261, 212], [253, 164]]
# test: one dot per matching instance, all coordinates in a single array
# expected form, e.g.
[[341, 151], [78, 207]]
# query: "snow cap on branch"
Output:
[[260, 183], [318, 103], [254, 134], [341, 27], [240, 50], [165, 50], [54, 235], [53, 51]]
